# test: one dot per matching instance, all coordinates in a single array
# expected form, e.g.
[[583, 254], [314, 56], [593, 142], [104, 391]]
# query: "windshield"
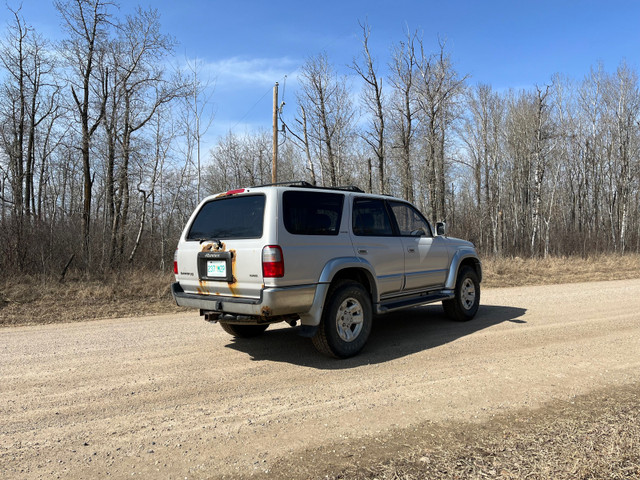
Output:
[[230, 217]]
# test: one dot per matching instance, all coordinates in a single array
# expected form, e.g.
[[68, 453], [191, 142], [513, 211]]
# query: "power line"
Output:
[[284, 79], [250, 110]]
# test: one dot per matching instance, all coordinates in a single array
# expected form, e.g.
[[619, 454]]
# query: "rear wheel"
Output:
[[244, 331], [346, 321], [467, 296]]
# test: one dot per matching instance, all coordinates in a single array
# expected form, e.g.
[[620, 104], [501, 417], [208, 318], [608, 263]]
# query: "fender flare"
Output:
[[460, 256], [313, 316]]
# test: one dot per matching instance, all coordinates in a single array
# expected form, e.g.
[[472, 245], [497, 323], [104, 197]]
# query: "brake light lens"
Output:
[[234, 192], [272, 262], [175, 262]]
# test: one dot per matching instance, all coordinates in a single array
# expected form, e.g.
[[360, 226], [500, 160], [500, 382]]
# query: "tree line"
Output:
[[549, 170], [101, 162], [99, 141]]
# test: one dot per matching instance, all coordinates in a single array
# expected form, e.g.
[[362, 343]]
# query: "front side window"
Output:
[[235, 217], [410, 222], [312, 213], [370, 218]]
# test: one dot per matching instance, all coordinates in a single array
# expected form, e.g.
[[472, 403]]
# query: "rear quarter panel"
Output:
[[305, 256]]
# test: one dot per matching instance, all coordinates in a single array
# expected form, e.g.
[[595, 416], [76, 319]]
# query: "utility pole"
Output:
[[274, 166]]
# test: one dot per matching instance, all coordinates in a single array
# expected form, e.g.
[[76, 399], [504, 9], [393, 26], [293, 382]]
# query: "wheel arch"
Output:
[[337, 270], [462, 258], [351, 268], [358, 275]]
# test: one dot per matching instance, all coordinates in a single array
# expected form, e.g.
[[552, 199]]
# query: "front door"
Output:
[[426, 258]]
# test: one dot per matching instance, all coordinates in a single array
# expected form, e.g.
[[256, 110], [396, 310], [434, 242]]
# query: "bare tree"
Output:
[[541, 154], [622, 99], [403, 107], [438, 95], [86, 23], [141, 88], [15, 110], [328, 113], [586, 211], [200, 114], [373, 103], [482, 136], [164, 133], [305, 142], [28, 109]]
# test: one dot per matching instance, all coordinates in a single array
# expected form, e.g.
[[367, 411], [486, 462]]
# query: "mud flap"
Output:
[[307, 331]]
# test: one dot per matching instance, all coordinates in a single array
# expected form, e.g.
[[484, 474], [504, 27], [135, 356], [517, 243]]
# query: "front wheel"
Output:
[[346, 321], [467, 296], [244, 331]]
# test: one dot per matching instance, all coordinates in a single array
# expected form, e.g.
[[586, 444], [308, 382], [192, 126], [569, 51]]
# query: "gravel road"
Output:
[[174, 397]]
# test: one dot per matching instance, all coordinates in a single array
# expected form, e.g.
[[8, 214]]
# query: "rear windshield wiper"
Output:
[[209, 239]]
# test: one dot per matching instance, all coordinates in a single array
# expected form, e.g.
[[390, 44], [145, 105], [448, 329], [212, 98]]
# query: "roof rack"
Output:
[[349, 188], [302, 183], [299, 183]]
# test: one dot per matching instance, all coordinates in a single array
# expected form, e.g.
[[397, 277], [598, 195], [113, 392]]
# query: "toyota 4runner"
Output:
[[329, 258]]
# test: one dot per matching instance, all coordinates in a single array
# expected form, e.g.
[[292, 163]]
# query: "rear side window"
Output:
[[370, 218], [312, 213], [231, 217]]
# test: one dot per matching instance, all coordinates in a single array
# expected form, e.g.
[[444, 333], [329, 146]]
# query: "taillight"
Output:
[[272, 262], [175, 262]]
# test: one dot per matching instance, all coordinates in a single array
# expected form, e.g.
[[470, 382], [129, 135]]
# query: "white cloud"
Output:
[[237, 72]]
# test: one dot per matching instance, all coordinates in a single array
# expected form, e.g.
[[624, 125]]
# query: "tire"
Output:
[[244, 331], [465, 305], [346, 321]]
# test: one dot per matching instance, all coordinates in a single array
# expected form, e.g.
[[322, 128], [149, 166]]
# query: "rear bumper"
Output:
[[273, 302]]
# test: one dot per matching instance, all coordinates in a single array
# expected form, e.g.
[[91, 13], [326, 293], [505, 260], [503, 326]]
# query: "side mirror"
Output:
[[441, 229]]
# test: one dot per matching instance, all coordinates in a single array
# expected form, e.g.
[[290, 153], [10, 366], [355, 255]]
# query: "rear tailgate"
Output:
[[220, 252]]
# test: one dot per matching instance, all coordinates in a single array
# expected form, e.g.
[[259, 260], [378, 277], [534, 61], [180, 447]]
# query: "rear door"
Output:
[[426, 258], [375, 241], [221, 250]]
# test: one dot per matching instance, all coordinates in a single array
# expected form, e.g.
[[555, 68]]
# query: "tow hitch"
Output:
[[211, 317]]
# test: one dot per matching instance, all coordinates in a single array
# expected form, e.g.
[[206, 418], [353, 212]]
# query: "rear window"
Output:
[[312, 213], [231, 217]]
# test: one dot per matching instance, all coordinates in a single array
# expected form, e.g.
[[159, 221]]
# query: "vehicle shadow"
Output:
[[394, 335]]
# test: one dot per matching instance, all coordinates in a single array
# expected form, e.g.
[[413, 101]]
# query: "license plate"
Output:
[[216, 268]]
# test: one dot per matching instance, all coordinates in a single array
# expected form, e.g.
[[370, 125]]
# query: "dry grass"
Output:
[[511, 272], [595, 436], [31, 300]]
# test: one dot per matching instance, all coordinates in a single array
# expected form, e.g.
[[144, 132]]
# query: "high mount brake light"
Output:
[[272, 262], [233, 192]]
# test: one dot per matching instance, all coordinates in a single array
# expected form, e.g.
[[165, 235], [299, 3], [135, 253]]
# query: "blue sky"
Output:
[[246, 46]]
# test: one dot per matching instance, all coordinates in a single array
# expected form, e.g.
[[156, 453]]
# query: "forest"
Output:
[[102, 158]]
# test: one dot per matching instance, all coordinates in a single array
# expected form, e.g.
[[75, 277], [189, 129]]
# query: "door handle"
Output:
[[363, 251], [411, 250]]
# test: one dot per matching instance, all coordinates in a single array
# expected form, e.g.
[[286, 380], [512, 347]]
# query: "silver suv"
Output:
[[329, 258]]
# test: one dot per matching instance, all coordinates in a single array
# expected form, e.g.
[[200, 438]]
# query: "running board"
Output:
[[397, 304]]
